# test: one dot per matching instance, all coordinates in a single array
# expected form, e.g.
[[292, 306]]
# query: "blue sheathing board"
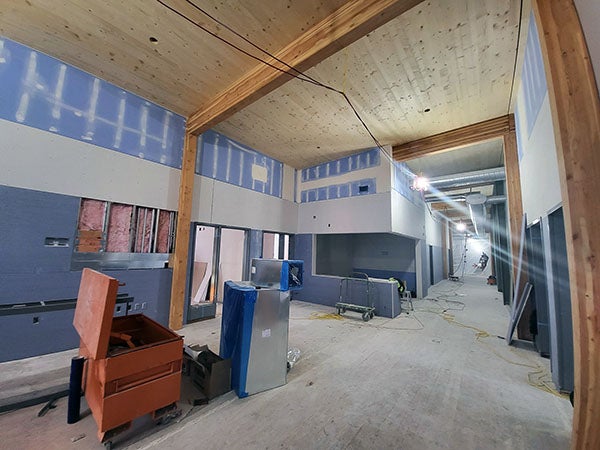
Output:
[[45, 93], [226, 160], [315, 289], [53, 331], [359, 161], [32, 272], [325, 290], [366, 186], [533, 76], [409, 277], [438, 264], [403, 180], [28, 217]]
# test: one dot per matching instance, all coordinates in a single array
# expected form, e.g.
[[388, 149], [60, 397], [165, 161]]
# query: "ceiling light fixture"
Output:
[[420, 183], [460, 226]]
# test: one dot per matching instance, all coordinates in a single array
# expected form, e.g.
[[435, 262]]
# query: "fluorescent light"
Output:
[[461, 226]]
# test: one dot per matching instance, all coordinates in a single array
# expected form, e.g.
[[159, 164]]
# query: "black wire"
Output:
[[300, 75], [215, 35], [516, 58], [241, 36]]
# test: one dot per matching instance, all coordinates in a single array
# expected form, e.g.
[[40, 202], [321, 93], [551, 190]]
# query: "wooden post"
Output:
[[182, 237], [575, 107], [513, 191], [515, 215]]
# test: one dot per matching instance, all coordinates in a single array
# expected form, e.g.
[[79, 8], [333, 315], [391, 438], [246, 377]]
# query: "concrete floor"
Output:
[[420, 381]]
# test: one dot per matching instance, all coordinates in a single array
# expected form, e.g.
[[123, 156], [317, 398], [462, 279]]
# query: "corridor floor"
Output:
[[438, 377]]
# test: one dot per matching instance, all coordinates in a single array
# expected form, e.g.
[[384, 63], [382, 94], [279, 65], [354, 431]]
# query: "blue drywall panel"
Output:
[[402, 182], [36, 287], [409, 277], [226, 160], [325, 290], [45, 93], [366, 186], [22, 338], [27, 217], [359, 161], [438, 264], [31, 272], [54, 332], [315, 289], [149, 286], [533, 75]]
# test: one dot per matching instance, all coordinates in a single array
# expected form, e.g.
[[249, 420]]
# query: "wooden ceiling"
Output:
[[441, 65]]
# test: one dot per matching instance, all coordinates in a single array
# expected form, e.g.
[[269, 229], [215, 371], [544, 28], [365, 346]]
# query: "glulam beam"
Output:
[[575, 108]]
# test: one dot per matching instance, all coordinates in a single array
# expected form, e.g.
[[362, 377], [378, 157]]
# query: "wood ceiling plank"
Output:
[[350, 22], [460, 137], [185, 68], [422, 59], [575, 107]]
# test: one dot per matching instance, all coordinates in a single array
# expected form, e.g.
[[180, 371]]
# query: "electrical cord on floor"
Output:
[[541, 383]]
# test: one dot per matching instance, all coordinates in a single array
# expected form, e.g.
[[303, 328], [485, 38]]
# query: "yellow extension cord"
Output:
[[539, 378]]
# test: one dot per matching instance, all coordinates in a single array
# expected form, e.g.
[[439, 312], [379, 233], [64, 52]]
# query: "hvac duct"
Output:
[[478, 177], [491, 200]]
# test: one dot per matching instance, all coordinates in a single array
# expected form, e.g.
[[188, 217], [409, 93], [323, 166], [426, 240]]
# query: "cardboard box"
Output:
[[210, 372]]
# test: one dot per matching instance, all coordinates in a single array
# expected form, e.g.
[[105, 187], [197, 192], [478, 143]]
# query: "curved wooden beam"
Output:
[[575, 110]]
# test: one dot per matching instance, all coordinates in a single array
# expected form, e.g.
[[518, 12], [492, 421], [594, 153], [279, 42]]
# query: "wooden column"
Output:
[[513, 191], [182, 238], [515, 216], [575, 110]]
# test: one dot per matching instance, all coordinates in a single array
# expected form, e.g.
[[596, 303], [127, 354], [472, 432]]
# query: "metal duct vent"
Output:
[[478, 177], [476, 199]]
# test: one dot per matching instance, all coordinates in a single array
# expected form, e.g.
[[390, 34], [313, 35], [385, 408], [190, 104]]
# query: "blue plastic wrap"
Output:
[[236, 331], [291, 275]]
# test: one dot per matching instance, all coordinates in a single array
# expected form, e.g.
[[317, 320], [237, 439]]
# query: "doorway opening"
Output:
[[276, 245], [219, 255]]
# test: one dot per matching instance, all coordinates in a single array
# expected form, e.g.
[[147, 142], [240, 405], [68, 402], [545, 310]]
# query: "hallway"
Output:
[[420, 381]]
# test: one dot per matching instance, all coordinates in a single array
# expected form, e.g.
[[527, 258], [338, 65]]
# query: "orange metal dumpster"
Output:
[[133, 364]]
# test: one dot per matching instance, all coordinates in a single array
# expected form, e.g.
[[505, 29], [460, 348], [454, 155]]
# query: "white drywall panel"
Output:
[[239, 207], [407, 218], [289, 181], [433, 229], [589, 16], [44, 161], [361, 214], [203, 199], [540, 183]]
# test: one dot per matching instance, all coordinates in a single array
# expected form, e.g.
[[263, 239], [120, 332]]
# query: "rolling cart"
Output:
[[356, 289]]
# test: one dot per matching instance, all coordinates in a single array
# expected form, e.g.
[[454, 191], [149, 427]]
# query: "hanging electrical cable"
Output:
[[298, 74]]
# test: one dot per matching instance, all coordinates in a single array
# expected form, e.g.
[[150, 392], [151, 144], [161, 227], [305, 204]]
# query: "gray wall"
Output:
[[31, 272]]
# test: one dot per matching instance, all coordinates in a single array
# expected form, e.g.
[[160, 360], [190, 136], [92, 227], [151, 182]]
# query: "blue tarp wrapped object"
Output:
[[236, 331]]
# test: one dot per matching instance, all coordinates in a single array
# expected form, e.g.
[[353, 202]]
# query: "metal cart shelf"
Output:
[[352, 288]]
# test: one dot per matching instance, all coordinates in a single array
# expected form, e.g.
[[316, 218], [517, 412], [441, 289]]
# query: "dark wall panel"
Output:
[[27, 217], [33, 272]]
